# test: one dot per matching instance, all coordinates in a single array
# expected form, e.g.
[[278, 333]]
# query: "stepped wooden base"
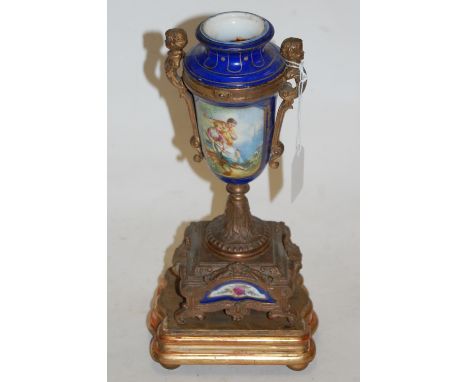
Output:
[[218, 340]]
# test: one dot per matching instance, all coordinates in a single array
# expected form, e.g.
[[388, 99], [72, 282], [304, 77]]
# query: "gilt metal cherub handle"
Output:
[[176, 40], [292, 51]]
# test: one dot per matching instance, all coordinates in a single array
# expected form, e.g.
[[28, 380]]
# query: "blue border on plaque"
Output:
[[206, 299]]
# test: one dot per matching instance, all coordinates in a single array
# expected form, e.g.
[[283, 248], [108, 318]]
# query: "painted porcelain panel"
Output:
[[233, 138], [237, 290]]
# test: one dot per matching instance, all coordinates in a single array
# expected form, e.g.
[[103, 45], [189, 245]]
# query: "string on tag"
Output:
[[300, 89]]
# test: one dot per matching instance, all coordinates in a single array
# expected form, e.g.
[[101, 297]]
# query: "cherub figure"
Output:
[[223, 134]]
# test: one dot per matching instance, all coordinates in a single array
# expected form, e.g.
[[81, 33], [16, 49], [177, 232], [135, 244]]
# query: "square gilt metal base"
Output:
[[217, 339]]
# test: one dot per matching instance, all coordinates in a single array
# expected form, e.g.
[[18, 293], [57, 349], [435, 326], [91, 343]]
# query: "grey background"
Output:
[[155, 189]]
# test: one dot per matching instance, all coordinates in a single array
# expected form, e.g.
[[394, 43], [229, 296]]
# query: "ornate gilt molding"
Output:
[[241, 95], [238, 270], [237, 234]]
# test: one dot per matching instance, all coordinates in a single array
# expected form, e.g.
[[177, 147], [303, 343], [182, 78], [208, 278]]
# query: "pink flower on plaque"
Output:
[[238, 291]]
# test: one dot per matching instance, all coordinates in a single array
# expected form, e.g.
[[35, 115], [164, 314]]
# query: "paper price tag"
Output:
[[297, 173]]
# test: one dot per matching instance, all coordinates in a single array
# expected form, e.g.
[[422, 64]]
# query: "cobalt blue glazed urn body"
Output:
[[235, 53], [230, 82]]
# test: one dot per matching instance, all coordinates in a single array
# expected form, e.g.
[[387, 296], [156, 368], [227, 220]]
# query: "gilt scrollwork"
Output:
[[235, 270], [292, 52], [176, 40]]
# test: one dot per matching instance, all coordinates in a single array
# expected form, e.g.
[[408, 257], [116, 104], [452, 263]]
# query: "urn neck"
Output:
[[235, 31], [234, 52]]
